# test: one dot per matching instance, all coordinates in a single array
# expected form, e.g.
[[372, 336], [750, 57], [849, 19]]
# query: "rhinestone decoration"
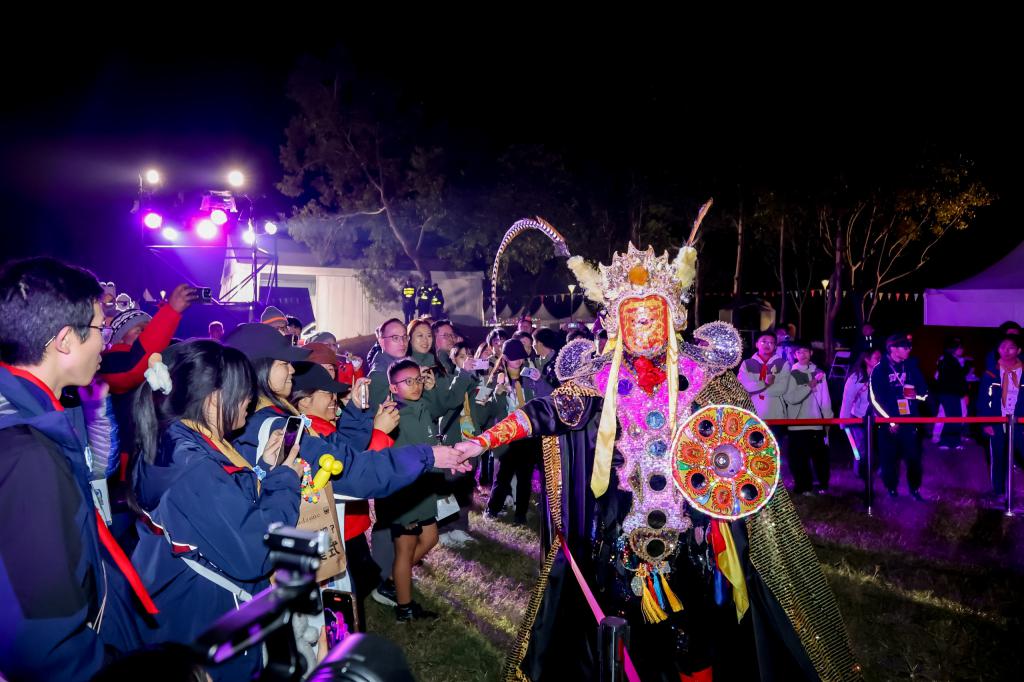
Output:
[[719, 347], [655, 420]]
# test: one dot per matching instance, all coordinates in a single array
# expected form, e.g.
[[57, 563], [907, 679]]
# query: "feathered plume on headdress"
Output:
[[686, 260], [589, 278]]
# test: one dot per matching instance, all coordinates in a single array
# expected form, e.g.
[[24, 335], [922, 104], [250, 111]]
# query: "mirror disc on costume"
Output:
[[726, 461]]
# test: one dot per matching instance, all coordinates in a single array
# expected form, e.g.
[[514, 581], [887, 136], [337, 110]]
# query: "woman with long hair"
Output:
[[857, 400], [203, 508]]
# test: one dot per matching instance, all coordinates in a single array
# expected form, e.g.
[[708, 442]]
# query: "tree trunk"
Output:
[[736, 283], [834, 297], [782, 276], [408, 247]]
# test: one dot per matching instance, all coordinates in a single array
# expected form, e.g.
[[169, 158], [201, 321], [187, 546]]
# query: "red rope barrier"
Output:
[[851, 421]]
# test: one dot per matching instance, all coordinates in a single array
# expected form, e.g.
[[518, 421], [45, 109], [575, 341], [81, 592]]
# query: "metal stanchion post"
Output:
[[869, 451], [1010, 428], [612, 638]]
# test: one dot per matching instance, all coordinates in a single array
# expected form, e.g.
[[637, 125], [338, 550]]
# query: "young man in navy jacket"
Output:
[[897, 388], [65, 587]]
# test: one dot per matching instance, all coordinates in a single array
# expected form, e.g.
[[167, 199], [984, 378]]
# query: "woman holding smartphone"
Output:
[[387, 471], [200, 560]]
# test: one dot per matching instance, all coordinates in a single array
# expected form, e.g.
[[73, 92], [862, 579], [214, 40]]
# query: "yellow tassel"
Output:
[[649, 605], [672, 369], [673, 600], [606, 428]]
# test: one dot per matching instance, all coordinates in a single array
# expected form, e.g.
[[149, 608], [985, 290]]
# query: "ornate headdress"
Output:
[[637, 274]]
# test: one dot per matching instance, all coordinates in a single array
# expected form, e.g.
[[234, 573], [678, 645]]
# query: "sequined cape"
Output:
[[795, 620]]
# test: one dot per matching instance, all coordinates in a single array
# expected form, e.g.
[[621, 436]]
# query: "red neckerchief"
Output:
[[33, 379], [124, 564]]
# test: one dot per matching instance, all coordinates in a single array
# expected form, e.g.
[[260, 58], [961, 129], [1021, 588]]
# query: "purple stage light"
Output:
[[170, 234], [249, 237], [206, 229], [153, 220], [218, 216]]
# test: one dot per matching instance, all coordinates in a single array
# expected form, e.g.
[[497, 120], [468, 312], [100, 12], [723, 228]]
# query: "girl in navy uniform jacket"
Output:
[[204, 511]]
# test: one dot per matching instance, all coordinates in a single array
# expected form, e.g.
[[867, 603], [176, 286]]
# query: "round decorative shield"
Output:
[[726, 461]]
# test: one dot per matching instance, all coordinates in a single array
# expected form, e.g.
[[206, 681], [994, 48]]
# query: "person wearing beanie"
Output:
[[362, 476], [273, 317], [127, 326]]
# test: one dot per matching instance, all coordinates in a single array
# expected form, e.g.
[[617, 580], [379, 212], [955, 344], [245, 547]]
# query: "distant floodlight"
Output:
[[236, 178], [152, 176], [170, 234], [153, 220], [218, 217], [206, 229], [249, 237], [270, 228]]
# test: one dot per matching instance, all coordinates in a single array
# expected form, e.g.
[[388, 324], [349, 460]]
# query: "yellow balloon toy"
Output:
[[328, 467]]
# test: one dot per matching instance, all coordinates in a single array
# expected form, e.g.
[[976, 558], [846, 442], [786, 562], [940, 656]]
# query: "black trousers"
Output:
[[519, 461], [892, 447], [997, 454], [807, 447]]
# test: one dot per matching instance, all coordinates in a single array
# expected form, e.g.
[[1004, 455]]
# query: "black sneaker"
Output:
[[385, 593], [413, 611], [916, 495]]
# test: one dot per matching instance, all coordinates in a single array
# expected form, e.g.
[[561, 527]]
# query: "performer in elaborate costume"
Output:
[[662, 483]]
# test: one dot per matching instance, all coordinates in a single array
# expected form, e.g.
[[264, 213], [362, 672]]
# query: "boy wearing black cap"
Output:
[[896, 389]]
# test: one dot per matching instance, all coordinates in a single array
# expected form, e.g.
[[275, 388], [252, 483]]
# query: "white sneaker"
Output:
[[462, 536], [450, 540]]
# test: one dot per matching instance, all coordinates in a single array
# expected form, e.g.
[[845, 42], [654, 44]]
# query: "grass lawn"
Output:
[[930, 591]]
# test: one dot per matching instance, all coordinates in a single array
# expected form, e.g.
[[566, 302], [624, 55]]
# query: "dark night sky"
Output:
[[80, 122]]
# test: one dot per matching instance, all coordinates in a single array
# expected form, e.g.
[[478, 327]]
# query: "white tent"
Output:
[[986, 300], [543, 315], [583, 313]]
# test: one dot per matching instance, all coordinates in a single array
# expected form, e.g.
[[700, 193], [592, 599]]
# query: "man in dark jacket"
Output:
[[65, 600], [950, 389], [897, 387]]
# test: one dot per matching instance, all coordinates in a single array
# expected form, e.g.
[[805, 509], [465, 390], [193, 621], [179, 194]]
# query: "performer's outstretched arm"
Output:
[[552, 415]]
